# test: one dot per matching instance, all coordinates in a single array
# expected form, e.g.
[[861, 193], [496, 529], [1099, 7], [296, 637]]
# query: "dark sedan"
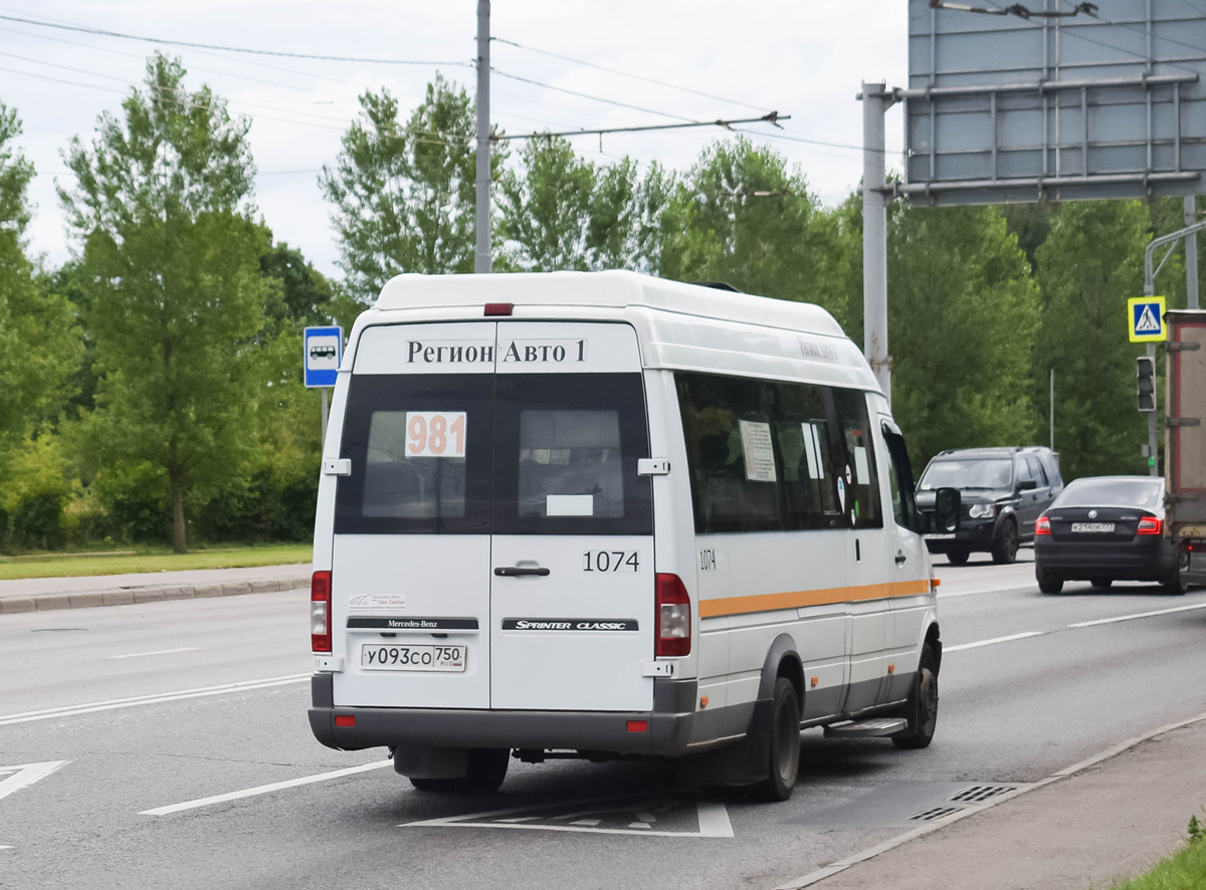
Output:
[[1104, 529]]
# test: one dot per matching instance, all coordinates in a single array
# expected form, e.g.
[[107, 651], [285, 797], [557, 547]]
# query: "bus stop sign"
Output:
[[322, 353]]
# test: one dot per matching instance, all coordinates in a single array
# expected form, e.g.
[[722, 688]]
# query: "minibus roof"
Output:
[[613, 289], [679, 326]]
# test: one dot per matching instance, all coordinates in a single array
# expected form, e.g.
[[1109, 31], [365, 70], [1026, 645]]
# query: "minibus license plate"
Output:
[[394, 657], [1092, 528]]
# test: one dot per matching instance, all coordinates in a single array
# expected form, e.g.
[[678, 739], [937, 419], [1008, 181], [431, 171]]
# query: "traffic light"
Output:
[[1145, 372]]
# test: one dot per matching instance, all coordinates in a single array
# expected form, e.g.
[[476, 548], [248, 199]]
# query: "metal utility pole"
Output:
[[1052, 403], [481, 255], [875, 235], [1191, 252]]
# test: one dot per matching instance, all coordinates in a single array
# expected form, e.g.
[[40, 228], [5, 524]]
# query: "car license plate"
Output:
[[1092, 528], [942, 537], [395, 657]]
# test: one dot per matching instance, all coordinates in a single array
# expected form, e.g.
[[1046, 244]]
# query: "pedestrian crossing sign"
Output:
[[1145, 319]]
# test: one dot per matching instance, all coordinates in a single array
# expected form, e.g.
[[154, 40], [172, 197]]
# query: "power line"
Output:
[[773, 118], [588, 96], [662, 83], [1105, 21], [191, 68], [228, 49], [419, 136]]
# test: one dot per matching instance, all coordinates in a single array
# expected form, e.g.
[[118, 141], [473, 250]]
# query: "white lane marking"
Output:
[[713, 819], [155, 698], [712, 816], [994, 640], [842, 864], [265, 789], [157, 652], [1139, 615], [14, 778]]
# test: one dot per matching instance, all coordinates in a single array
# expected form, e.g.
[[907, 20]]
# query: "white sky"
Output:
[[805, 58]]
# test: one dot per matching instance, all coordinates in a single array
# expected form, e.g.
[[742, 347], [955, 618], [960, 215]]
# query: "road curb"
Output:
[[125, 596], [815, 877]]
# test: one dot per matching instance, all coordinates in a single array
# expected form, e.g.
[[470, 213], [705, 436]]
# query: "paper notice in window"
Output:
[[862, 471], [759, 453]]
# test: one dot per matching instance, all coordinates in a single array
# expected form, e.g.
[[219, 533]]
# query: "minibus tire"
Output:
[[433, 785], [485, 770], [922, 709], [783, 746]]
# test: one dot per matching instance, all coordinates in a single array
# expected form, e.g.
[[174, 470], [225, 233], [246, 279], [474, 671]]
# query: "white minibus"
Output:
[[607, 515]]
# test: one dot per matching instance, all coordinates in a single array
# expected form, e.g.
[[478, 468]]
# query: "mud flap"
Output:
[[743, 763]]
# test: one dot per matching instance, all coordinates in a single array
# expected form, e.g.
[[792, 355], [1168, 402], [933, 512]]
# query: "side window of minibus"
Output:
[[730, 452], [804, 435], [859, 479], [900, 480]]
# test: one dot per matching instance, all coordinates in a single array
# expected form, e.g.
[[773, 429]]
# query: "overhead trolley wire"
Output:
[[231, 49], [772, 118], [616, 71], [548, 86]]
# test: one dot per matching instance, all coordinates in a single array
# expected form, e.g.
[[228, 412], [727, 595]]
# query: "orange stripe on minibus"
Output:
[[767, 602]]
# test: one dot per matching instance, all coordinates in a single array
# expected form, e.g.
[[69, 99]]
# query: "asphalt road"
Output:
[[134, 709]]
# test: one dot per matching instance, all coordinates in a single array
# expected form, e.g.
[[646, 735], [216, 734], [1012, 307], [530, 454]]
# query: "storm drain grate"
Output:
[[979, 793], [934, 813]]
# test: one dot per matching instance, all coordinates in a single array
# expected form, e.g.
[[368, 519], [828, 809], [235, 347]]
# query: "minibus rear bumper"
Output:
[[665, 731]]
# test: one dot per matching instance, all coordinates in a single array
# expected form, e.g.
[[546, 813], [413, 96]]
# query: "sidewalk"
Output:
[[40, 594], [1113, 820]]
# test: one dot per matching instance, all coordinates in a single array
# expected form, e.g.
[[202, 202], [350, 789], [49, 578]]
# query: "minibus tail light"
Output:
[[672, 618], [1042, 526], [1150, 525], [320, 612]]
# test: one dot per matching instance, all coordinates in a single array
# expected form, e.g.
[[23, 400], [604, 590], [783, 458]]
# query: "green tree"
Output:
[[1089, 265], [301, 292], [39, 343], [559, 211], [740, 216], [170, 264], [403, 194], [962, 314]]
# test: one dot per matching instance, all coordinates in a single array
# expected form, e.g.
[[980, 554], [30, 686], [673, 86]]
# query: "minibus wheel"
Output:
[[783, 764], [486, 769], [922, 708], [432, 784]]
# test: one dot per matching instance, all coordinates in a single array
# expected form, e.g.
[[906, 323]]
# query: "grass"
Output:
[[61, 565], [1184, 870]]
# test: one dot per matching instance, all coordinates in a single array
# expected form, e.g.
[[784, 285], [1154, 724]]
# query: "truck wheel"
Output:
[[958, 557], [486, 769], [1101, 583], [783, 762], [1005, 547], [922, 708], [1175, 584], [1046, 583]]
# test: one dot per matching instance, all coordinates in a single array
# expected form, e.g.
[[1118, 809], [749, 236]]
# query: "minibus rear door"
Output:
[[410, 567], [572, 575]]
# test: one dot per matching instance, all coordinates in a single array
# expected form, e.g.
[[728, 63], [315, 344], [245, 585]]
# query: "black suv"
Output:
[[1004, 490]]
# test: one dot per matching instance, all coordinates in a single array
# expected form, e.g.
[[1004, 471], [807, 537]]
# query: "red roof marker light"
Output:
[[499, 309]]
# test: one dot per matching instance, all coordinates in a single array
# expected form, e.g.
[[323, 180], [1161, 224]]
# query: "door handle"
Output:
[[900, 559], [517, 571]]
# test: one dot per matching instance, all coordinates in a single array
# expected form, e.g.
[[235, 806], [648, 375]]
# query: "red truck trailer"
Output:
[[1185, 439]]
